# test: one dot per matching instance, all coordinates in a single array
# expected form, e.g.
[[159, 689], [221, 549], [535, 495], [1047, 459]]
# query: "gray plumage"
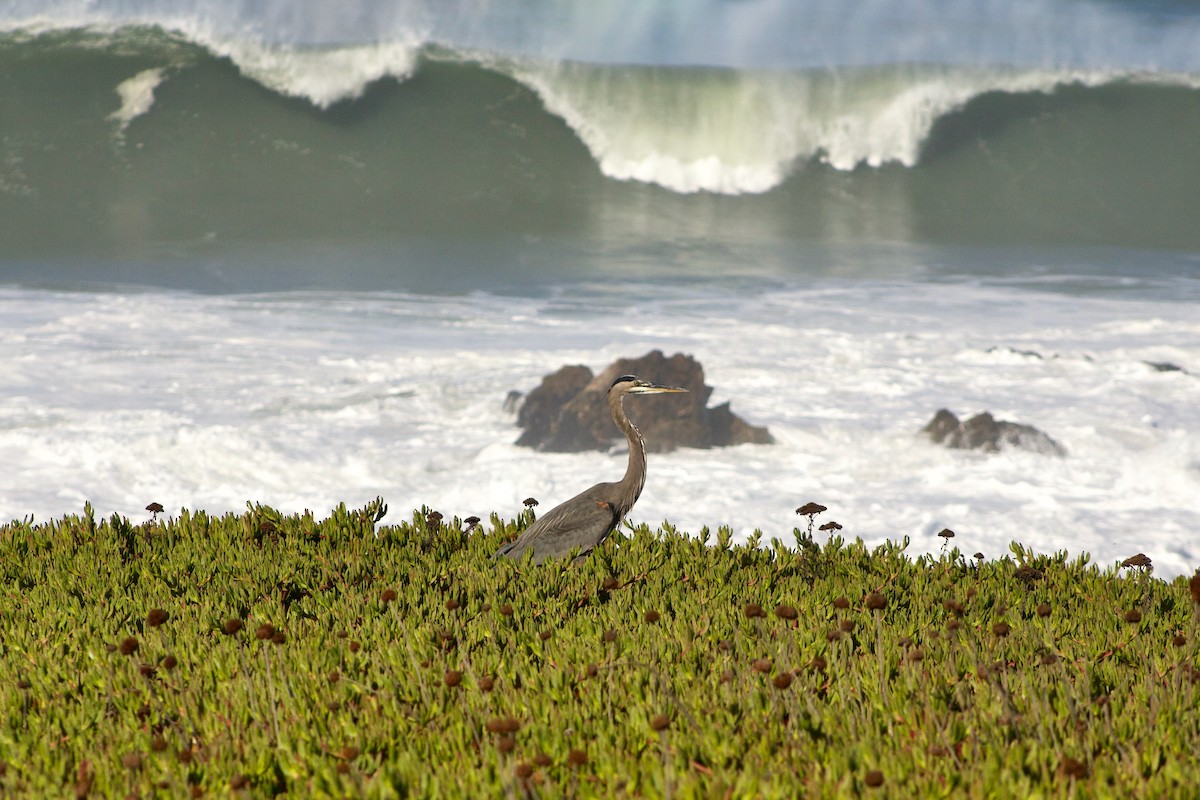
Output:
[[587, 519]]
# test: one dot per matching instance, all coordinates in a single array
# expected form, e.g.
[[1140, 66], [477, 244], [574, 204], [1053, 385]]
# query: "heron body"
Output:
[[586, 520]]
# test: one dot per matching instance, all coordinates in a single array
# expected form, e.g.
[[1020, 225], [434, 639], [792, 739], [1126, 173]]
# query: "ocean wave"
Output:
[[686, 129], [746, 131]]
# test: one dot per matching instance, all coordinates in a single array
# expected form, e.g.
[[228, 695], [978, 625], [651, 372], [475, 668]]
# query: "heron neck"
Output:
[[635, 472]]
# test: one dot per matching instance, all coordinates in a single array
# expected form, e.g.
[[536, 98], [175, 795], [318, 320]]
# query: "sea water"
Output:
[[299, 255]]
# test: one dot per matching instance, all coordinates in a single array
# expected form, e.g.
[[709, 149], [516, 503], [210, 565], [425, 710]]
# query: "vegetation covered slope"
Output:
[[267, 655]]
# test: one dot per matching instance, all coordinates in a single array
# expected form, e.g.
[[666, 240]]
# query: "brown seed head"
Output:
[[652, 616], [1139, 560], [783, 680], [452, 678], [278, 637], [952, 605], [334, 676], [833, 635], [264, 631], [591, 670], [1179, 640], [524, 770], [128, 646], [147, 671], [506, 744], [453, 605], [348, 753], [726, 675], [754, 610], [158, 743], [1043, 609], [231, 626], [170, 662], [542, 760], [1001, 629], [762, 665], [354, 646], [953, 624], [660, 722], [830, 526], [486, 683], [1194, 587], [846, 626], [818, 664], [610, 635], [611, 584], [577, 758], [388, 595], [810, 509], [131, 761], [876, 601], [1072, 768], [873, 778], [1133, 615], [529, 502], [546, 634], [841, 603], [946, 534], [238, 782], [471, 521], [506, 610], [785, 612], [155, 508], [503, 725], [156, 617]]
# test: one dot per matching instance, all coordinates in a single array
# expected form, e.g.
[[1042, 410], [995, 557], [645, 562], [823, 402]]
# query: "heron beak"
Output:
[[654, 388]]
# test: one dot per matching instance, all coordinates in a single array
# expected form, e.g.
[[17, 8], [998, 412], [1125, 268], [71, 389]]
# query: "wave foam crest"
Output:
[[322, 75], [736, 131]]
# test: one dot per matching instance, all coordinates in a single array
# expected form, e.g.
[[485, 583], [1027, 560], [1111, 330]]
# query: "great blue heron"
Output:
[[587, 519]]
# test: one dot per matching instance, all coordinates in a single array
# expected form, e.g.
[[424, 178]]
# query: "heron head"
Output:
[[631, 384]]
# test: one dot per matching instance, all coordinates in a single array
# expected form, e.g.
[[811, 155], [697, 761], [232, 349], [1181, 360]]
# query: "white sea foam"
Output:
[[137, 96], [306, 401], [322, 75]]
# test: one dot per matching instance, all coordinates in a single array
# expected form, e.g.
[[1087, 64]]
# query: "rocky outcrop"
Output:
[[988, 434], [568, 412]]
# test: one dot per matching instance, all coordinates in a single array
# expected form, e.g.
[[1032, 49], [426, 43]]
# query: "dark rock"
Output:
[[568, 412], [985, 432]]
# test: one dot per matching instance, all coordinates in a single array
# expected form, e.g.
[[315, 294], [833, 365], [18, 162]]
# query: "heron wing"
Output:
[[583, 522]]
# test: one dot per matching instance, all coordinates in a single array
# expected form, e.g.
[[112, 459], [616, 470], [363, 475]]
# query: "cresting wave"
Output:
[[137, 146], [687, 129]]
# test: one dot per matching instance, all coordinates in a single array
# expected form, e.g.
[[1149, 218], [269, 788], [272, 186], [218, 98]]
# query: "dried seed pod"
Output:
[[783, 680], [231, 626], [873, 778], [875, 601], [785, 612], [128, 646], [660, 722], [156, 617], [754, 610], [452, 678]]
